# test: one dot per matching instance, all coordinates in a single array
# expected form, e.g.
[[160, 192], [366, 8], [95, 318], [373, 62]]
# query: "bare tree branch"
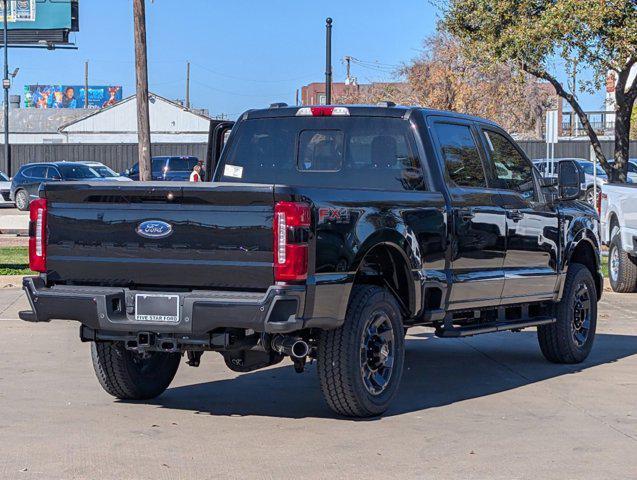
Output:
[[570, 98]]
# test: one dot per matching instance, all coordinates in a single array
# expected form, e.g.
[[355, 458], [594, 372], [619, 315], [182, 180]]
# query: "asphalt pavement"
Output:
[[488, 407]]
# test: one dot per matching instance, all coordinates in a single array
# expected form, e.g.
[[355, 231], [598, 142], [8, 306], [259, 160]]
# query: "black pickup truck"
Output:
[[324, 235]]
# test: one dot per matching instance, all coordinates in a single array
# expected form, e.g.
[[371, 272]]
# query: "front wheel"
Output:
[[129, 375], [360, 364], [589, 197], [571, 337]]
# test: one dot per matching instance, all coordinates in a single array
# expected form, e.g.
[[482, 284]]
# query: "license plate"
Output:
[[157, 308]]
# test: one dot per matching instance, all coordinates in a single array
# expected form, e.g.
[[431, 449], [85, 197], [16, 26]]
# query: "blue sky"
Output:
[[244, 53]]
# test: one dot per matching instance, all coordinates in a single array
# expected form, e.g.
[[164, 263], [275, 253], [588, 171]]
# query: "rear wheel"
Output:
[[22, 200], [360, 364], [129, 375], [622, 268], [590, 196], [571, 337]]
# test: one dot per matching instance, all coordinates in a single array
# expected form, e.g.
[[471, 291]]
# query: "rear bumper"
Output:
[[106, 309]]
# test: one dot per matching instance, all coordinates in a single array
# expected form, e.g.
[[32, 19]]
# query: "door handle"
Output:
[[515, 215]]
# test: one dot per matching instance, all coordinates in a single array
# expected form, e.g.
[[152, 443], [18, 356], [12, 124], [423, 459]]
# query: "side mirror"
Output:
[[570, 179]]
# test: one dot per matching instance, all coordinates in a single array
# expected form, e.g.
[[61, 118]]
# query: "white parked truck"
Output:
[[618, 216]]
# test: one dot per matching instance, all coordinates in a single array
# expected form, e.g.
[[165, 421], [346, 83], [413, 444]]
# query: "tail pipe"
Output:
[[295, 347]]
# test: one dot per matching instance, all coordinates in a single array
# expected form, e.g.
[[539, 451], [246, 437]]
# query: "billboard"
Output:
[[70, 96], [33, 21]]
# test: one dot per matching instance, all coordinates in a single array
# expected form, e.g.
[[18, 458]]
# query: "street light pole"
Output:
[[328, 62], [6, 83]]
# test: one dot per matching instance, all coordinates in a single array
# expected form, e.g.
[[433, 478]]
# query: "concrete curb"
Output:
[[11, 281]]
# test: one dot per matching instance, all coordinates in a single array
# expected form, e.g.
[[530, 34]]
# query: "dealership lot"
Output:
[[484, 407]]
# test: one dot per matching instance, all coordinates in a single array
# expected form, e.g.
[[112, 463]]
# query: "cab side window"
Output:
[[512, 170], [461, 156]]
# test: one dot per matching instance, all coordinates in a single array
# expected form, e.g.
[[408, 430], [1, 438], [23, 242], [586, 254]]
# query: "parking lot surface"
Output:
[[13, 220], [479, 408]]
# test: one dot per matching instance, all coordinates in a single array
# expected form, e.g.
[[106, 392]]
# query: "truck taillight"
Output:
[[291, 232], [37, 236]]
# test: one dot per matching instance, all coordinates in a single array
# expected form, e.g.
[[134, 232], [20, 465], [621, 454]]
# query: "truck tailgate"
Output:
[[180, 235]]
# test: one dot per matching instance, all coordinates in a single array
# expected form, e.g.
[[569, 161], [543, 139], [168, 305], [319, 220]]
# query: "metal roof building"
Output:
[[170, 122]]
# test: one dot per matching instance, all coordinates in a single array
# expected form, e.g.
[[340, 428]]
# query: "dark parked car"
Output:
[[327, 232], [166, 168], [26, 183]]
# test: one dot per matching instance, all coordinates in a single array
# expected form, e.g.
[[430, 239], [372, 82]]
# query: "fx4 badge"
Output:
[[333, 215]]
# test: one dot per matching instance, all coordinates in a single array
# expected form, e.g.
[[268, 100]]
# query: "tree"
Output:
[[445, 77], [600, 35]]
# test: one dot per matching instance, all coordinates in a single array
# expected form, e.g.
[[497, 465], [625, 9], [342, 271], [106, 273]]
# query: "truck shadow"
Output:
[[437, 372]]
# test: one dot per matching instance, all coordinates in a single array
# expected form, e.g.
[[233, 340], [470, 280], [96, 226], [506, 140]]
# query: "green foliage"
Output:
[[600, 34], [14, 261], [597, 35]]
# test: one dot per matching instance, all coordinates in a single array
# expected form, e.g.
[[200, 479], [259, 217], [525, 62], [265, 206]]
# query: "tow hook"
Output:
[[194, 358]]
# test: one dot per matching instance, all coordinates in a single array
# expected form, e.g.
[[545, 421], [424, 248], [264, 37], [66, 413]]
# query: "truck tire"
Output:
[[571, 337], [622, 268], [589, 196], [22, 200], [128, 376], [360, 364]]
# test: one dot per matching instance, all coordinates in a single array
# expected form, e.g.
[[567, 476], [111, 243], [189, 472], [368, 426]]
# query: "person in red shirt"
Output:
[[195, 176]]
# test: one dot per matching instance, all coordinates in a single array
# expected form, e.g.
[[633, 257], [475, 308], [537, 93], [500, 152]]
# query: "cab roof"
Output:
[[391, 111]]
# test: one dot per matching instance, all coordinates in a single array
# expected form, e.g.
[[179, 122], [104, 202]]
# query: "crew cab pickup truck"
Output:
[[325, 234], [618, 216]]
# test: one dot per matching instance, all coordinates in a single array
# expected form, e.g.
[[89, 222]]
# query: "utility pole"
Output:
[[328, 62], [348, 63], [573, 91], [86, 84], [188, 86], [6, 83], [141, 70]]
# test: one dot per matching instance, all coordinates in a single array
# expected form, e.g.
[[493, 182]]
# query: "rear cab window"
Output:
[[375, 153]]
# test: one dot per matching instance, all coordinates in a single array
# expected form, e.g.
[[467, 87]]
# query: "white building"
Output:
[[170, 122]]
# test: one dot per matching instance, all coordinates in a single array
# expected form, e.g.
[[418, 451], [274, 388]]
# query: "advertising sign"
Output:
[[70, 96], [32, 21]]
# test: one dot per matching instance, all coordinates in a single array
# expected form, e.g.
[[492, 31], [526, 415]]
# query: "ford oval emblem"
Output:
[[154, 229]]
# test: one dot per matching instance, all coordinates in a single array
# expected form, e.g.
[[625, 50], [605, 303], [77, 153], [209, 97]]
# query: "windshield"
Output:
[[158, 164], [3, 177], [105, 172], [77, 172], [181, 164], [588, 169]]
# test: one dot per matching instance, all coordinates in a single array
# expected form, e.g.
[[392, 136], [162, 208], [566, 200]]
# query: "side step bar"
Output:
[[469, 331]]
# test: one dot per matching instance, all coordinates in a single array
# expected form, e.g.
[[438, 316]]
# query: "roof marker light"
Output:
[[322, 112]]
